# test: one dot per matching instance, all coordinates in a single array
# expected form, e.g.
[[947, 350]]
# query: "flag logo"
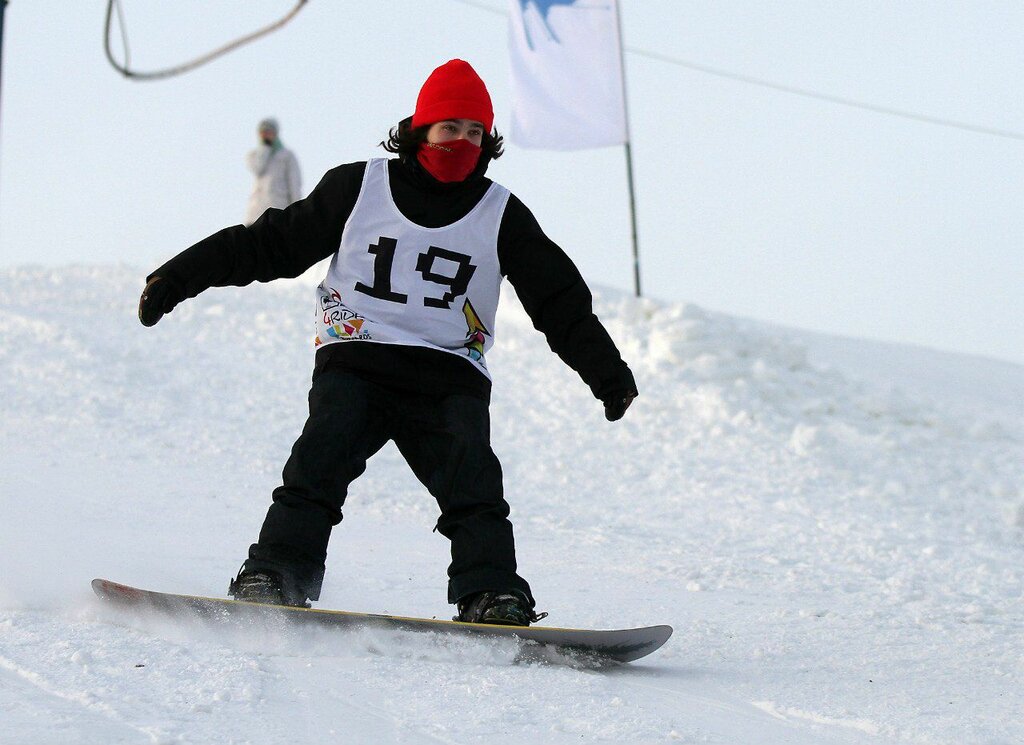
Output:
[[544, 7]]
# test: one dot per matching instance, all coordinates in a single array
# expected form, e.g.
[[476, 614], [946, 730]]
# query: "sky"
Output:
[[750, 200]]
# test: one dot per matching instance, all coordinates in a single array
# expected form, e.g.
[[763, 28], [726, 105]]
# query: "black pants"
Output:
[[445, 440]]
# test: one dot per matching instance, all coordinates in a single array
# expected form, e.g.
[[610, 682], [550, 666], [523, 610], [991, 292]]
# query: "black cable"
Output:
[[187, 66]]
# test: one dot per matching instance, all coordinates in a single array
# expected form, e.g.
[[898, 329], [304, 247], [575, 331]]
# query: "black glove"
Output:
[[615, 405], [159, 297], [616, 390]]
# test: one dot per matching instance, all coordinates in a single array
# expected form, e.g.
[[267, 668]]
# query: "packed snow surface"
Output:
[[835, 529]]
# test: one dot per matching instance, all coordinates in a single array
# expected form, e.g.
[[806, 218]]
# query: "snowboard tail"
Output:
[[619, 645]]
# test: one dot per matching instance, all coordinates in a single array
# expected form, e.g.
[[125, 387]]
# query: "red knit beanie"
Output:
[[454, 91]]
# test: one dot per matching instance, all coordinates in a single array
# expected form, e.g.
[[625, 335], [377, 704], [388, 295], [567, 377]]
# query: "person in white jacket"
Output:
[[278, 181]]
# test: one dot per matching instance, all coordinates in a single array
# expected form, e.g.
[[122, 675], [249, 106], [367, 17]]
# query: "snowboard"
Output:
[[619, 645]]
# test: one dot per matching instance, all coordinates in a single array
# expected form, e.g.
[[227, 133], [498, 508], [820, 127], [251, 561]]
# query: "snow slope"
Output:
[[834, 528]]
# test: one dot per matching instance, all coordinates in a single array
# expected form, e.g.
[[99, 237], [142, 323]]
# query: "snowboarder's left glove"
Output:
[[159, 297], [615, 406], [616, 392]]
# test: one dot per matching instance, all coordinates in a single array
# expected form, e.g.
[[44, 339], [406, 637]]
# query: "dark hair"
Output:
[[406, 140]]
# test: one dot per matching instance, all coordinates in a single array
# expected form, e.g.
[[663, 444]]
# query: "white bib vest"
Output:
[[395, 282]]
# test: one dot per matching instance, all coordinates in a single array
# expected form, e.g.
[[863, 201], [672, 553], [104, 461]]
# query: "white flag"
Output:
[[566, 61]]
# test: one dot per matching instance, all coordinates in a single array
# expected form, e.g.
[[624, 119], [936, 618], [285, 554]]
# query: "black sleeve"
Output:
[[559, 303], [281, 243]]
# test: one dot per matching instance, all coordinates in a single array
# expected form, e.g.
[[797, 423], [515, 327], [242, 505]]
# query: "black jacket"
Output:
[[284, 243]]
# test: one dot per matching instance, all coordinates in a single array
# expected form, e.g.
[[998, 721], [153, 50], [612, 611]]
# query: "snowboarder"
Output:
[[404, 320], [276, 169]]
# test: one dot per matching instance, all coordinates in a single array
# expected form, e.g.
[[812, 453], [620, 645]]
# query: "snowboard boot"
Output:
[[510, 608], [264, 587]]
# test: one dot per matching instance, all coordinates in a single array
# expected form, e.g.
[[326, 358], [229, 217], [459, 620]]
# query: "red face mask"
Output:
[[449, 161]]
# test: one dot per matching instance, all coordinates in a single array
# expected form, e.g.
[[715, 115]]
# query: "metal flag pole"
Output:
[[3, 6], [629, 158]]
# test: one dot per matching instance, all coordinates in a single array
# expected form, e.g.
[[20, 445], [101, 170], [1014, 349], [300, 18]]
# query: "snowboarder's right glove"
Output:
[[159, 297]]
